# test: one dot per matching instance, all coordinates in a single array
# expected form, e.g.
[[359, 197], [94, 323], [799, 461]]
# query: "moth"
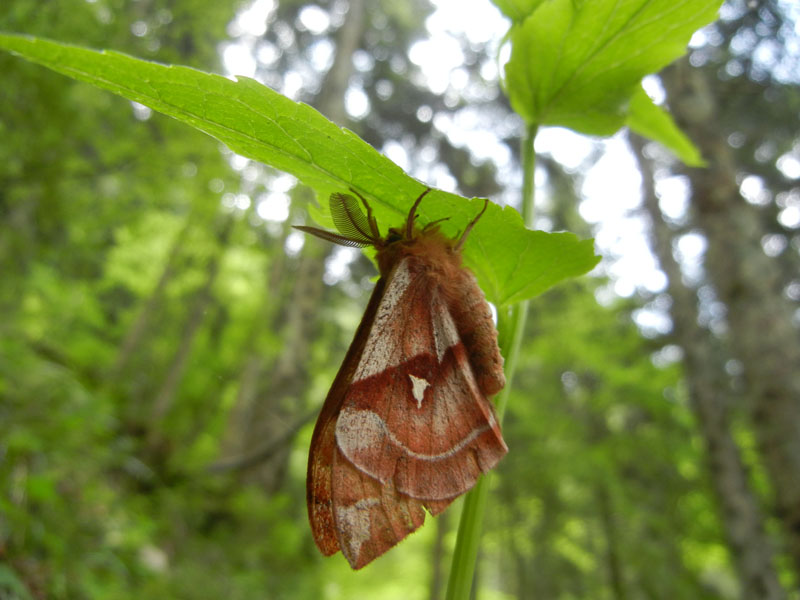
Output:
[[407, 425]]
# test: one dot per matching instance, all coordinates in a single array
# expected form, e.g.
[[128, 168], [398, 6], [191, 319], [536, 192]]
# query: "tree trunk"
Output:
[[748, 282], [740, 513], [165, 397], [273, 399], [269, 397], [138, 328], [609, 524], [237, 448], [330, 102]]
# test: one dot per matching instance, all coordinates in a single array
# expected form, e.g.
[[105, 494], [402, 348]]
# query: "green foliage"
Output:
[[613, 439], [577, 68], [511, 263], [11, 587], [113, 224], [651, 121], [517, 10], [579, 64]]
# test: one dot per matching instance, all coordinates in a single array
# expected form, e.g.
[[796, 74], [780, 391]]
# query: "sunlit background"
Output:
[[166, 338], [606, 172]]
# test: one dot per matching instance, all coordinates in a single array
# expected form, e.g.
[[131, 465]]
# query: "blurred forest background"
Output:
[[166, 340]]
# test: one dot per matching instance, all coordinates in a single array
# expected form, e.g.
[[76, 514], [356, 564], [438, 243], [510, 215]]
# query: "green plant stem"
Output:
[[511, 326]]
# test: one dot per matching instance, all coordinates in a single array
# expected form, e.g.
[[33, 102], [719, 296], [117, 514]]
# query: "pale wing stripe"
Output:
[[359, 429], [355, 519], [378, 354], [444, 330]]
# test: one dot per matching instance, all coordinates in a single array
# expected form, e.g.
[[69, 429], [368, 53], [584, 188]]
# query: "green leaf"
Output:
[[651, 121], [532, 263], [517, 10], [511, 262], [578, 63], [11, 587]]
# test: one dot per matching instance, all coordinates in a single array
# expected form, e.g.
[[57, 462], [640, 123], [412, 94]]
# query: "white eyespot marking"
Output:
[[355, 520], [418, 386]]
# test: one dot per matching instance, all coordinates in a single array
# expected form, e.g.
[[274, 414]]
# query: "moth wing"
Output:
[[437, 506], [413, 415], [472, 316], [319, 494], [370, 517]]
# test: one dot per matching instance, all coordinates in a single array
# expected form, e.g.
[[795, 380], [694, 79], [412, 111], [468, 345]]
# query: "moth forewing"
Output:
[[414, 413], [323, 442], [407, 423]]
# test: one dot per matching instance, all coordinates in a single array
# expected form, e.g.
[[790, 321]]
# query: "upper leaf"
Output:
[[511, 262], [651, 121], [517, 10], [578, 63]]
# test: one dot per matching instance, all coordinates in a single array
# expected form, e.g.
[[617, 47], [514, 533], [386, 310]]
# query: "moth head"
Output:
[[356, 229], [359, 229], [433, 226], [393, 236]]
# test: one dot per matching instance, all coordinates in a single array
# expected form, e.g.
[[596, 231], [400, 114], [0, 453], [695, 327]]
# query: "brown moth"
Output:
[[407, 423]]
